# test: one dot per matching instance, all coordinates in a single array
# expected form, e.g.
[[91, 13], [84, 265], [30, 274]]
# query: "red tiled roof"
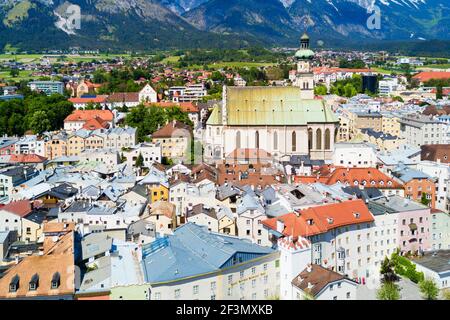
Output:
[[97, 99], [20, 208], [350, 175], [85, 115], [95, 123], [324, 218], [426, 76], [336, 70], [169, 129], [184, 106], [26, 158]]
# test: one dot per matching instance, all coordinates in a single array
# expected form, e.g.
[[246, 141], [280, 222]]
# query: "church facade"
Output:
[[283, 121]]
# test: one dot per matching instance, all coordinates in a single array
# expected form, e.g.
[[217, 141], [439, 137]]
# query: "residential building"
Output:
[[48, 87], [419, 130], [174, 138]]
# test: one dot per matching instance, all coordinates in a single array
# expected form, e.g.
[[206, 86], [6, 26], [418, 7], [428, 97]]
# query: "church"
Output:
[[284, 121]]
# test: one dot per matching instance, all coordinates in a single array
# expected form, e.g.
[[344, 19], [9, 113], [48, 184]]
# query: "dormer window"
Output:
[[56, 280], [34, 282], [357, 215], [14, 284], [310, 222]]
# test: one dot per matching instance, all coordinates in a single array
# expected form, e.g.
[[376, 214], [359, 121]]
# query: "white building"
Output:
[[441, 173], [419, 130], [151, 152], [387, 86], [356, 155]]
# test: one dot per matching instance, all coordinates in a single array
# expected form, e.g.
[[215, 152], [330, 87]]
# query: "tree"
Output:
[[424, 199], [14, 73], [439, 93], [429, 289], [320, 90], [139, 161], [388, 291], [387, 271], [39, 122]]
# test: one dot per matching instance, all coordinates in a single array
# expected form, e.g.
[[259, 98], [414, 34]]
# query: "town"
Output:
[[295, 174]]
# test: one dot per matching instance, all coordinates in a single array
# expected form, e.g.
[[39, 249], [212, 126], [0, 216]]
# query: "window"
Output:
[[213, 285], [319, 139], [294, 141], [242, 273], [257, 139], [238, 140], [253, 283], [327, 139], [177, 293], [230, 279], [275, 140], [195, 289], [348, 295], [265, 266], [254, 270]]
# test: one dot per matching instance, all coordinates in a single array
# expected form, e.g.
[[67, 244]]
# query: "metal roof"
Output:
[[193, 250], [260, 106]]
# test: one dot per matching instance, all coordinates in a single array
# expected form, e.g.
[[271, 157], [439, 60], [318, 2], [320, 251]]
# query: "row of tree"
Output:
[[36, 113], [147, 120]]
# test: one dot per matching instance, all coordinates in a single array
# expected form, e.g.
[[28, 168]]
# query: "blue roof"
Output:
[[406, 174], [193, 250]]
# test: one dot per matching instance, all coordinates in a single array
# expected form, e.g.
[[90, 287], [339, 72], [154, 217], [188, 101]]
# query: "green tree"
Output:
[[139, 161], [429, 289], [388, 291], [39, 122], [320, 90], [387, 271], [424, 199], [439, 93], [14, 73]]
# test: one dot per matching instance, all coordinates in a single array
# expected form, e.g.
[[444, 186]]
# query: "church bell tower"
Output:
[[305, 77]]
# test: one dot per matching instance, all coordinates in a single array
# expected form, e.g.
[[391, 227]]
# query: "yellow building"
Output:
[[174, 138], [56, 147], [94, 142], [227, 225], [390, 124], [76, 144], [158, 192]]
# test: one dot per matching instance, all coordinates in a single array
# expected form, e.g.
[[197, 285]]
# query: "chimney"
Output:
[[280, 226], [16, 259], [308, 269]]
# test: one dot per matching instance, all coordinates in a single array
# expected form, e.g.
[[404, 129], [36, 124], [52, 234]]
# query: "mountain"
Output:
[[263, 19], [162, 24], [115, 24]]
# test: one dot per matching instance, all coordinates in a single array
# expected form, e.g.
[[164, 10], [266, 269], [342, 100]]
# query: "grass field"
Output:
[[437, 66], [23, 75], [381, 70]]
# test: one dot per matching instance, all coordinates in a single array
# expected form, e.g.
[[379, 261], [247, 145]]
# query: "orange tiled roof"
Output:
[[95, 123], [184, 106], [85, 115], [27, 158], [370, 177], [426, 76], [97, 99], [324, 218]]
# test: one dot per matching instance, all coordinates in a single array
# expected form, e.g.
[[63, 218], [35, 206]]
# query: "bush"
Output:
[[406, 268]]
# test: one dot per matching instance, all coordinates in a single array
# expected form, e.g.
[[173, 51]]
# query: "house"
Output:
[[83, 102], [417, 184], [250, 215], [19, 216], [440, 230], [358, 177], [49, 276], [174, 138], [163, 215], [12, 178], [354, 155], [194, 263], [150, 152], [319, 283], [89, 119], [132, 99], [334, 236], [423, 77], [434, 265], [86, 87]]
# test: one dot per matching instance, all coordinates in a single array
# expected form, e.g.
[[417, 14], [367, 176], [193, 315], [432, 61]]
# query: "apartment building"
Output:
[[420, 130]]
